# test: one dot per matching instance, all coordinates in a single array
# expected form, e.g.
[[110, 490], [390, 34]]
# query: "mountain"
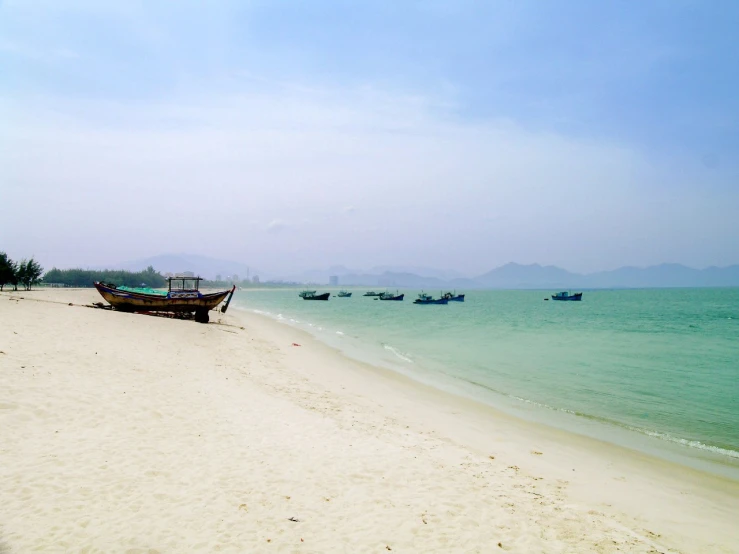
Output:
[[534, 276], [200, 265], [508, 276], [665, 275], [514, 275]]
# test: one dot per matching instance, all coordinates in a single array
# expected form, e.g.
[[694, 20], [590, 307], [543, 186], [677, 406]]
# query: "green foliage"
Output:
[[86, 277], [8, 270], [28, 273]]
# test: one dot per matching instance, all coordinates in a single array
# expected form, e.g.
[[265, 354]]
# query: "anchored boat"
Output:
[[182, 296], [372, 293], [311, 295], [391, 296], [344, 294], [424, 298], [577, 297], [453, 297]]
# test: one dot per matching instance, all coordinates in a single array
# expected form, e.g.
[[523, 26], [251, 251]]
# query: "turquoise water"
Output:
[[660, 366]]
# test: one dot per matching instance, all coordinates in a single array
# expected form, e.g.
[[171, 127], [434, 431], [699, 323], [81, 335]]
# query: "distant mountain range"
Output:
[[508, 276], [535, 276]]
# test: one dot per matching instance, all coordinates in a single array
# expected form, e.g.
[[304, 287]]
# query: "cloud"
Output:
[[277, 225], [348, 210]]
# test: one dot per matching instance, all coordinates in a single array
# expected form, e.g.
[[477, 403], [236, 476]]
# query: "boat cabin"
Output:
[[184, 283]]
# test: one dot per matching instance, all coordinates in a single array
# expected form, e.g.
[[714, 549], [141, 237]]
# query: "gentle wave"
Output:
[[655, 434], [398, 354], [685, 442]]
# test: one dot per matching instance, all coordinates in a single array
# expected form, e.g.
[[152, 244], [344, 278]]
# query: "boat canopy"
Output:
[[184, 283]]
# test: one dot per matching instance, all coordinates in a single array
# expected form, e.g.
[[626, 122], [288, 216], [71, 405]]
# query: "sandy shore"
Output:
[[131, 433]]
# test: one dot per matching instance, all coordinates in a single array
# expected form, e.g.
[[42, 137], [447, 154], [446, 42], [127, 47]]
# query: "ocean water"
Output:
[[657, 370]]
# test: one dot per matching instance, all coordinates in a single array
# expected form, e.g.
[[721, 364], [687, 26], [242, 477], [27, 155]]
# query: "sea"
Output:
[[654, 370]]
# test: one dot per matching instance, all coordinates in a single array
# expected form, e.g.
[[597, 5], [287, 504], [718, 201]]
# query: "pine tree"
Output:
[[7, 270]]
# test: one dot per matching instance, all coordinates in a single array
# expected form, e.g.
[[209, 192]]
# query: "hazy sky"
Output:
[[295, 135]]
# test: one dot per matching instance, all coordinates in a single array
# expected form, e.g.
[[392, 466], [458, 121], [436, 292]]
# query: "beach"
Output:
[[133, 433]]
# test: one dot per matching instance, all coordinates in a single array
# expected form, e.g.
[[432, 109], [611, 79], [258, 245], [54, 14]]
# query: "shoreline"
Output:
[[230, 414], [704, 458]]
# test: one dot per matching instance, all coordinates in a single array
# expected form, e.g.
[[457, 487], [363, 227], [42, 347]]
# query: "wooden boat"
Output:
[[564, 295], [372, 293], [182, 296], [311, 295], [344, 294], [453, 297], [391, 296], [424, 298]]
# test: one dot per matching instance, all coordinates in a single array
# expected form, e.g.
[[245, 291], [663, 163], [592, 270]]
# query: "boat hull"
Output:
[[174, 302], [437, 301], [458, 298], [323, 296], [349, 295], [396, 298], [573, 298]]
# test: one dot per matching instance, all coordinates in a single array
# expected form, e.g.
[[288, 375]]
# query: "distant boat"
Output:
[[344, 294], [311, 295], [372, 293], [564, 295], [453, 297], [424, 298], [391, 296]]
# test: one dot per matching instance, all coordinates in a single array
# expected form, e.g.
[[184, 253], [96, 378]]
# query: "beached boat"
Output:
[[424, 298], [391, 296], [372, 293], [182, 296], [453, 297], [567, 296], [311, 295], [344, 294]]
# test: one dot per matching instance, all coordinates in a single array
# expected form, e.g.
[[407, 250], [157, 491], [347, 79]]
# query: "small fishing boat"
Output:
[[564, 295], [453, 297], [182, 296], [311, 295], [390, 296], [372, 293], [344, 294], [424, 298]]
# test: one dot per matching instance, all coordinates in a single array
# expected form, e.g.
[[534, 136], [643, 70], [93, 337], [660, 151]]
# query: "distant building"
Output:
[[235, 278], [187, 274], [218, 277], [333, 280], [256, 280]]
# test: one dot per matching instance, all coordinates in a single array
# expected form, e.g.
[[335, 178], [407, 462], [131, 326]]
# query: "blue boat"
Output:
[[344, 294], [564, 295], [424, 298], [391, 296], [453, 297]]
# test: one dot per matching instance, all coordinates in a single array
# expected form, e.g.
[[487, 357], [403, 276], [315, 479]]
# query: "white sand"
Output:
[[131, 433]]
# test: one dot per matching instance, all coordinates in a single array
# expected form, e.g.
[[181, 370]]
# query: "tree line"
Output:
[[86, 277], [25, 273]]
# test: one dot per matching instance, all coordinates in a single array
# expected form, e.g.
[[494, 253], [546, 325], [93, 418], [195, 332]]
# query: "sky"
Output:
[[298, 135]]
